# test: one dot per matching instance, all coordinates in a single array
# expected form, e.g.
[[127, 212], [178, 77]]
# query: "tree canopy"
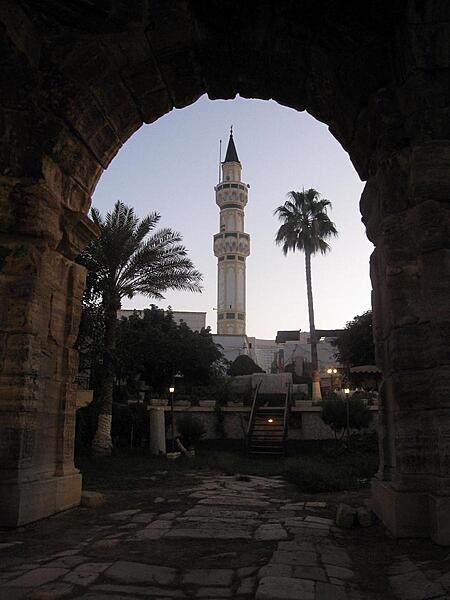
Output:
[[355, 345], [244, 365], [154, 348], [305, 226], [129, 258]]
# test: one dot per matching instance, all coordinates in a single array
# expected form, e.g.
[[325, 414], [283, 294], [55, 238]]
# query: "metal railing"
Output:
[[252, 413], [287, 408]]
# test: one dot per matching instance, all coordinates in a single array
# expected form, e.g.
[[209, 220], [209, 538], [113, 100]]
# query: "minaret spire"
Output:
[[231, 155], [231, 245]]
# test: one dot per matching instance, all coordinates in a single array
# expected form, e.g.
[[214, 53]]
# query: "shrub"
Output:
[[191, 429], [244, 365], [334, 414]]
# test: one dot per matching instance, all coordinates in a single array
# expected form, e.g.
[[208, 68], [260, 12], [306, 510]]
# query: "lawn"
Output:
[[315, 467]]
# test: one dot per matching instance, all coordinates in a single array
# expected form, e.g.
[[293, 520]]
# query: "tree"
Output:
[[334, 414], [153, 347], [125, 260], [306, 227], [355, 345], [244, 365]]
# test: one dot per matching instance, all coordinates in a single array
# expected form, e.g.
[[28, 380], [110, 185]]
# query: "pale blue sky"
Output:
[[171, 166]]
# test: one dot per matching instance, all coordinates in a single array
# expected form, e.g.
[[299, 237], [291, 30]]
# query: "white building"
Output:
[[231, 245], [194, 320]]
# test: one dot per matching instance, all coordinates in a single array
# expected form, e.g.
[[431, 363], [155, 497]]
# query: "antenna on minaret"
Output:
[[220, 156]]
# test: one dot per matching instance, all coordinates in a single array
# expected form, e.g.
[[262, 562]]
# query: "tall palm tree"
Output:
[[305, 227], [126, 260]]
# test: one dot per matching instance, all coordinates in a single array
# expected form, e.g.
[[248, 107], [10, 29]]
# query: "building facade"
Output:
[[195, 320], [231, 245]]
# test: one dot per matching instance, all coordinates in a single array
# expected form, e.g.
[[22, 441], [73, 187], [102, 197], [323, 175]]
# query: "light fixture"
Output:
[[270, 420], [346, 391], [171, 389]]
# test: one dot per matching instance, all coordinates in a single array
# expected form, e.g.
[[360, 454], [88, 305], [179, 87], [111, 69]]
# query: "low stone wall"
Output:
[[305, 423]]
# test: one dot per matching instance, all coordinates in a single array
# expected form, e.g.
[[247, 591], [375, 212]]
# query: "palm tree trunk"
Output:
[[316, 394], [102, 442]]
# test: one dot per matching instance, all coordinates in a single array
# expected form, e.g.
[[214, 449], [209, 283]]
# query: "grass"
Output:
[[314, 468]]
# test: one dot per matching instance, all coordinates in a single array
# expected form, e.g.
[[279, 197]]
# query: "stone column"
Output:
[[40, 305], [157, 431], [405, 208]]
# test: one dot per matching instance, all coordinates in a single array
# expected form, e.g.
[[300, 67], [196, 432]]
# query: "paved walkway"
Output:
[[234, 537]]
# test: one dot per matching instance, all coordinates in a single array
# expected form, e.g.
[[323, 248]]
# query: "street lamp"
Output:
[[172, 416], [331, 372], [172, 427], [347, 393]]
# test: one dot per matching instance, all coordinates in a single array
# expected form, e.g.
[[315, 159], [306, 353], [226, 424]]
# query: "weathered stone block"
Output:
[[345, 516], [92, 499]]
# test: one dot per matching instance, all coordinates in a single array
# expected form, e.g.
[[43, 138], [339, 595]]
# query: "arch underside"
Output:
[[78, 80]]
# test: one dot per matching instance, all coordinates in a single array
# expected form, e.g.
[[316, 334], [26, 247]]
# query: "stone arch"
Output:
[[78, 80]]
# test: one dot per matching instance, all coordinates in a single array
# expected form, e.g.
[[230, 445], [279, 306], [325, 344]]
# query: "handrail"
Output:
[[287, 407], [252, 412]]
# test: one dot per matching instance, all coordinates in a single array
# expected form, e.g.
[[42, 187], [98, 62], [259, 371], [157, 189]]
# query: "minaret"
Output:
[[231, 245]]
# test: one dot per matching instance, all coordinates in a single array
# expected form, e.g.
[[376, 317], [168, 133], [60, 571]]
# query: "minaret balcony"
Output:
[[231, 195], [231, 242]]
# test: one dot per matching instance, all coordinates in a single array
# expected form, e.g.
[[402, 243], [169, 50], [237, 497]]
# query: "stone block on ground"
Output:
[[275, 570], [134, 572], [328, 591], [51, 591], [86, 573], [247, 586], [345, 516], [37, 577], [270, 532], [364, 517], [415, 586], [284, 588], [92, 499], [208, 577]]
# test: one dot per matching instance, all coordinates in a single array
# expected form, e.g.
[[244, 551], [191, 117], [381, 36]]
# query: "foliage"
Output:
[[191, 429], [244, 365], [355, 343], [305, 226], [152, 348], [129, 258], [334, 414]]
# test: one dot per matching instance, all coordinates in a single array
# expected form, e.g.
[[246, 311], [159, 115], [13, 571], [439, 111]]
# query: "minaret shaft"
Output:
[[231, 246]]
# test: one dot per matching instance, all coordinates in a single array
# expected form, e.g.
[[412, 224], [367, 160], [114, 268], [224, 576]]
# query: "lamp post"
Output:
[[172, 421], [176, 377], [331, 372], [347, 393]]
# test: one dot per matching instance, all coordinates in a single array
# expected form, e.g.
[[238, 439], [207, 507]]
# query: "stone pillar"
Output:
[[406, 211], [40, 305], [157, 431]]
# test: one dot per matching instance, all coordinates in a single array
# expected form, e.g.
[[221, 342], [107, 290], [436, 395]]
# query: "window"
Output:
[[230, 316], [241, 258], [231, 256], [221, 258], [241, 316], [219, 317]]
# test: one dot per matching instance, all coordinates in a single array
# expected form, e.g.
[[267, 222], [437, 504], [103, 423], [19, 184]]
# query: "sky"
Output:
[[171, 167]]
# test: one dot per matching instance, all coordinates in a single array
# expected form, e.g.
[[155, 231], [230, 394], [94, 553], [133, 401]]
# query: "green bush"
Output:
[[334, 414], [191, 429]]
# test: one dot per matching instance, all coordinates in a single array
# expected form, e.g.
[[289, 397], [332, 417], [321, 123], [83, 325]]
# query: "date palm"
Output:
[[129, 258], [306, 227]]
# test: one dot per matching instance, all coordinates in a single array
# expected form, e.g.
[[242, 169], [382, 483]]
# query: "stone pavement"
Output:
[[219, 537]]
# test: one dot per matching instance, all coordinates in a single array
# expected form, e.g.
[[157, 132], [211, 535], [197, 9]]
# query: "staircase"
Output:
[[267, 429]]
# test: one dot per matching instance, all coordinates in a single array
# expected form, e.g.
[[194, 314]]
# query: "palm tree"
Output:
[[125, 260], [305, 227]]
